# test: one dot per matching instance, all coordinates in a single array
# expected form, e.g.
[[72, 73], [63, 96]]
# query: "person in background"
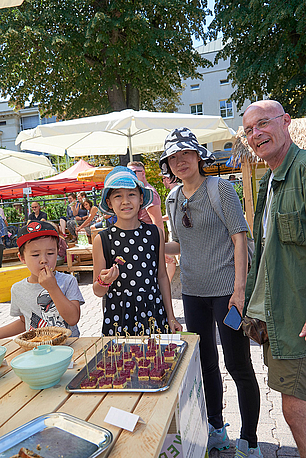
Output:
[[232, 179], [79, 213], [62, 245], [37, 214], [152, 214], [276, 284], [3, 233], [63, 219], [213, 267], [92, 215], [171, 261], [2, 214]]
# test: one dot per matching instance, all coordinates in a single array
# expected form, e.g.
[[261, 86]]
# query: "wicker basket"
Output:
[[50, 336]]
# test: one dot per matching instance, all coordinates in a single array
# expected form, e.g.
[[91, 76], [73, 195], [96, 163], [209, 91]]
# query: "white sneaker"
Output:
[[244, 451]]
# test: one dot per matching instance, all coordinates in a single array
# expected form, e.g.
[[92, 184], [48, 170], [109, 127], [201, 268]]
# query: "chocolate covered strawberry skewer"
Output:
[[119, 261]]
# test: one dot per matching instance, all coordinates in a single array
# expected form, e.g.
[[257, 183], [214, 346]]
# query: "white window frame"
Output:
[[228, 106], [197, 112]]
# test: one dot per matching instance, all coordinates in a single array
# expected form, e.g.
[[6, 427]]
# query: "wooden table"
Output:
[[20, 404], [82, 259]]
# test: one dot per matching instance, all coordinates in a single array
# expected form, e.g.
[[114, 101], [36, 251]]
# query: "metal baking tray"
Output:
[[57, 435], [134, 385]]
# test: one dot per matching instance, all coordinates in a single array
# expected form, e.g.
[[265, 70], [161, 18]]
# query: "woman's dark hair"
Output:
[[172, 176], [88, 201]]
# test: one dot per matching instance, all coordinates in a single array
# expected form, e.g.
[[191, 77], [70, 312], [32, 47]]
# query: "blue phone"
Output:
[[233, 318]]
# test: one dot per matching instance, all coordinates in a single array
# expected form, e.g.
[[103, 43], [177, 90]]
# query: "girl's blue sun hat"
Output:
[[122, 177]]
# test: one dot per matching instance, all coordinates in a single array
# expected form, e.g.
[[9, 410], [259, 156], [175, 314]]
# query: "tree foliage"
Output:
[[266, 43], [84, 57]]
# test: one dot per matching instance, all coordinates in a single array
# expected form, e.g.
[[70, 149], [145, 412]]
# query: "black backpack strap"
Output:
[[106, 247]]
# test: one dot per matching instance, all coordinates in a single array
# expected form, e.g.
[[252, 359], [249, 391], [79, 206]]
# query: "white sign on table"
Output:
[[192, 410]]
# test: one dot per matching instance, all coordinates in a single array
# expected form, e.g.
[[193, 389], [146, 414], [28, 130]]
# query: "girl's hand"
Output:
[[175, 326], [109, 275]]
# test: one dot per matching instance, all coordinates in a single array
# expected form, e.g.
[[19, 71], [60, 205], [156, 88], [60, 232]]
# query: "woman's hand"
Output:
[[175, 326]]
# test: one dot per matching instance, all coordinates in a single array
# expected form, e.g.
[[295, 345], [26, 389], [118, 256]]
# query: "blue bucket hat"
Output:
[[183, 139], [122, 177]]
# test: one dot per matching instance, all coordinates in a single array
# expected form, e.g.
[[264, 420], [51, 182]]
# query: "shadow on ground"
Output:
[[268, 451]]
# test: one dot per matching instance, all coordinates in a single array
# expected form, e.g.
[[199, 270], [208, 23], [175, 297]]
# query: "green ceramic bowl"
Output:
[[2, 354], [42, 367]]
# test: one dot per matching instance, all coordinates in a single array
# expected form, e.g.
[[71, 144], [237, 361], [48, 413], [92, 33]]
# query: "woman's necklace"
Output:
[[189, 191]]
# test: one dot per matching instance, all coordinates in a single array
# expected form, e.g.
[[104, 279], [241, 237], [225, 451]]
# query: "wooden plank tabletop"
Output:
[[20, 404]]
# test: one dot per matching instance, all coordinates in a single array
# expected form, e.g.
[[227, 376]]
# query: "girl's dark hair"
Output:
[[172, 176]]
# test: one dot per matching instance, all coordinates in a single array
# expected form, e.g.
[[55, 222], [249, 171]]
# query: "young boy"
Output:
[[45, 298]]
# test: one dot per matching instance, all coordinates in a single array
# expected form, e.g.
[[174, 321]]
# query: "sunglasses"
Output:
[[186, 220]]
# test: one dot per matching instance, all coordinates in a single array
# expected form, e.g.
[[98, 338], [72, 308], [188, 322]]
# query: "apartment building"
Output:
[[210, 95], [13, 121]]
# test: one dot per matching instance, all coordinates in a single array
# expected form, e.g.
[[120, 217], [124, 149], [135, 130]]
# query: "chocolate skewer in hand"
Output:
[[119, 261]]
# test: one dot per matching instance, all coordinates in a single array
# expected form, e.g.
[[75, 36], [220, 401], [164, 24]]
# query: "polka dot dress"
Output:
[[135, 296]]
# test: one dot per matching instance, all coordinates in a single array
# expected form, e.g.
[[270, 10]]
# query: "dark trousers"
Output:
[[201, 315]]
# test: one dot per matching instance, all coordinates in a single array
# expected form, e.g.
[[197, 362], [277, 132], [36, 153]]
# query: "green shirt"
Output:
[[285, 256]]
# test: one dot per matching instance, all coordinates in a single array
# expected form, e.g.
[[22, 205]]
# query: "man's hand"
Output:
[[46, 278], [303, 332]]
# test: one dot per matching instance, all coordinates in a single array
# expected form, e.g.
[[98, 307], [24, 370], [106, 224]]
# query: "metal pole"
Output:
[[94, 196], [130, 145]]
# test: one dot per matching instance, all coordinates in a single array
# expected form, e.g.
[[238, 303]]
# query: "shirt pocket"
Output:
[[290, 228]]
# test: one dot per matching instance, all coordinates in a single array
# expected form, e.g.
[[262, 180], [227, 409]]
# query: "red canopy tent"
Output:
[[58, 184]]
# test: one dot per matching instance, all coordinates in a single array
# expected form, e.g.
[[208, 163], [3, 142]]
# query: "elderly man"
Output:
[[276, 285], [37, 214], [151, 214]]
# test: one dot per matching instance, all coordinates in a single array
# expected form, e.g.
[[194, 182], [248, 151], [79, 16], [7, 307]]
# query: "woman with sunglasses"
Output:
[[213, 268]]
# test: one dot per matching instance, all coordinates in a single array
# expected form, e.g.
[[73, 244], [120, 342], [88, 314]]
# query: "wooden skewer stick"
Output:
[[136, 329], [96, 354], [87, 370]]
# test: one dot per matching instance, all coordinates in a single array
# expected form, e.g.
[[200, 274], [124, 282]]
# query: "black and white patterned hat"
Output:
[[183, 139]]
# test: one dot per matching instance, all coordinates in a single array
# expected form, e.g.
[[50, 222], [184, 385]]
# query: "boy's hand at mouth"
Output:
[[46, 278]]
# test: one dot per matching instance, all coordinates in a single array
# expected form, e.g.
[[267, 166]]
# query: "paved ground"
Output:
[[274, 435]]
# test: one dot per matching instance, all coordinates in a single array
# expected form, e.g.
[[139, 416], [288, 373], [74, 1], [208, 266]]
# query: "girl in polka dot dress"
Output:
[[137, 290]]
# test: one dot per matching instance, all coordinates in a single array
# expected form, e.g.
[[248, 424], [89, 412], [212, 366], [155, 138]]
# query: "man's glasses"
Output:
[[186, 220], [260, 125]]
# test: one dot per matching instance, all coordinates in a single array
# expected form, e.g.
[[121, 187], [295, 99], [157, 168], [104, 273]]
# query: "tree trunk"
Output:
[[116, 98], [132, 97]]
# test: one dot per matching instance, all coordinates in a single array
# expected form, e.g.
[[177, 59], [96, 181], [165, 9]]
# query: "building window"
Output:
[[29, 122], [194, 87], [222, 82], [2, 123], [196, 109], [226, 109], [48, 120], [228, 146]]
